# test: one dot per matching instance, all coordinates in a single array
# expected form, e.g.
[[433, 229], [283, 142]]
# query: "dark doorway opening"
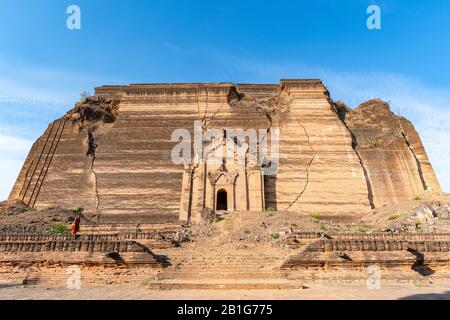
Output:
[[222, 200], [270, 192]]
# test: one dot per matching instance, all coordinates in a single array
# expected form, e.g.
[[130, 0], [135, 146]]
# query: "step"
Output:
[[226, 262], [219, 261], [225, 268], [243, 266], [226, 284], [221, 258], [216, 251], [218, 275]]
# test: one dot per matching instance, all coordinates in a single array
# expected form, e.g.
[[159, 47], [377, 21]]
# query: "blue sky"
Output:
[[44, 66]]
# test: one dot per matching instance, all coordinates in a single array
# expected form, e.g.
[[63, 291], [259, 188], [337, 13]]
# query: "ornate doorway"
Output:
[[222, 200]]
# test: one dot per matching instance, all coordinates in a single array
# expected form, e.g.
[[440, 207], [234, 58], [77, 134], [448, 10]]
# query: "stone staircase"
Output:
[[218, 267]]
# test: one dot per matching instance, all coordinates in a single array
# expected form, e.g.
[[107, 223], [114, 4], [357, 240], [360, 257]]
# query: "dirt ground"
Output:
[[429, 212], [15, 217], [314, 292]]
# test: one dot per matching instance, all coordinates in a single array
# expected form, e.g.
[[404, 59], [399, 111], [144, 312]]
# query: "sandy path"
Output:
[[345, 292]]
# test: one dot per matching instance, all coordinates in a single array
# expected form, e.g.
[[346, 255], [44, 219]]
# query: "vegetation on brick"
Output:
[[275, 236], [315, 215], [59, 229]]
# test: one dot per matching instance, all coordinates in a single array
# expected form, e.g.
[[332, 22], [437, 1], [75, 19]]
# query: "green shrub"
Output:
[[417, 198], [59, 229], [374, 143], [270, 211], [78, 210], [393, 217], [363, 229], [215, 219], [275, 235], [246, 231], [315, 215]]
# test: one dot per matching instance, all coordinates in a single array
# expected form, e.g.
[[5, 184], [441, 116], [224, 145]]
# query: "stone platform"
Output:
[[218, 259]]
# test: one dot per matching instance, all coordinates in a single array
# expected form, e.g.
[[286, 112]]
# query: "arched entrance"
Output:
[[222, 200]]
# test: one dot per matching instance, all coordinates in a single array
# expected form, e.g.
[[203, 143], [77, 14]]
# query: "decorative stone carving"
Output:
[[229, 176]]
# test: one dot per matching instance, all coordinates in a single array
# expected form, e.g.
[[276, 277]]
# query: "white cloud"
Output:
[[13, 152], [20, 82], [30, 98], [14, 147]]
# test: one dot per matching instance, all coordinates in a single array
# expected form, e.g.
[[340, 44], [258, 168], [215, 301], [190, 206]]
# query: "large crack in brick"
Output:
[[91, 153], [419, 166], [341, 110], [364, 169], [272, 108], [95, 116], [308, 168]]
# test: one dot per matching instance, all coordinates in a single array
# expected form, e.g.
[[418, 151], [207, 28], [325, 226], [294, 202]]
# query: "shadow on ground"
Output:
[[428, 296], [9, 285], [164, 260]]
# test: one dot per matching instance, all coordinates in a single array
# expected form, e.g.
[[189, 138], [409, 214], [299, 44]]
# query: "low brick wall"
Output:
[[394, 236], [377, 245], [93, 237], [306, 235], [100, 246], [372, 236]]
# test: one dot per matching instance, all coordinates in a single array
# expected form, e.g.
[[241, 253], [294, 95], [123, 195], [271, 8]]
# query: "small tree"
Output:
[[78, 210], [84, 95]]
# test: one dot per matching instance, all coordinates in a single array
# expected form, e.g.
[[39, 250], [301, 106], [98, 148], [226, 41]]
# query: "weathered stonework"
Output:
[[395, 162], [356, 250], [113, 156], [239, 183]]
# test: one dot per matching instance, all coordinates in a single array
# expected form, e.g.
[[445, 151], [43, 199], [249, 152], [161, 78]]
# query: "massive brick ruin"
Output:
[[241, 228], [111, 154]]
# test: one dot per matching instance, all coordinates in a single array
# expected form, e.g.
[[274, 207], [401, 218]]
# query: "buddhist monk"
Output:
[[75, 227]]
